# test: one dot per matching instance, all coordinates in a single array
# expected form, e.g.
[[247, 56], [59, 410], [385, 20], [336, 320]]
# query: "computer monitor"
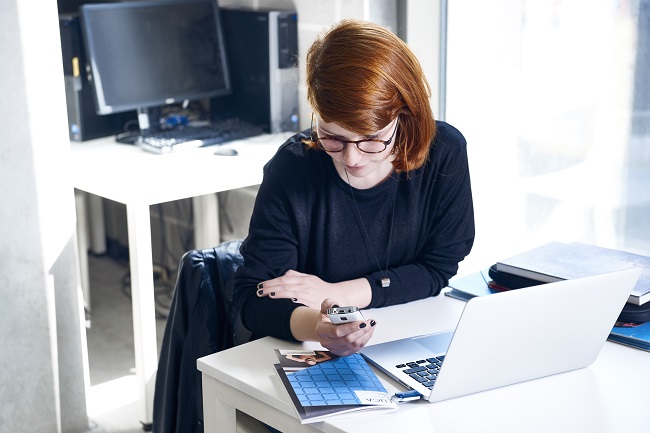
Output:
[[146, 54]]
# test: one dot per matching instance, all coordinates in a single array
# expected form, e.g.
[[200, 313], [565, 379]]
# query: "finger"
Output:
[[266, 285], [281, 283], [287, 294], [327, 303], [351, 343], [261, 286], [346, 333], [274, 286]]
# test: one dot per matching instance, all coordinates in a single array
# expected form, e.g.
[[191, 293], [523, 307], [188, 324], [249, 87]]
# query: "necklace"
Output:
[[385, 281]]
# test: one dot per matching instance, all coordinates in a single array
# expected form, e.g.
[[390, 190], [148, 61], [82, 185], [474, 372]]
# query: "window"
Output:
[[554, 100]]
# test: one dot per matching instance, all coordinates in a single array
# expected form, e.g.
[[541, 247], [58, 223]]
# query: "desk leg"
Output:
[[82, 244], [216, 412], [142, 299], [206, 221], [98, 226]]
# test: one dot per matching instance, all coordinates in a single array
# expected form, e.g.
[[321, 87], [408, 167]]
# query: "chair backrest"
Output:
[[225, 259], [202, 320], [229, 258]]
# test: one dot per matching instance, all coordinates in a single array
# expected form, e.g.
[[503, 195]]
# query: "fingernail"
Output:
[[272, 293], [294, 299], [373, 323], [362, 325], [260, 285], [335, 306], [260, 292]]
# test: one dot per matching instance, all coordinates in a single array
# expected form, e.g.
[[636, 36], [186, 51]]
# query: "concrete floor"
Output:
[[112, 401]]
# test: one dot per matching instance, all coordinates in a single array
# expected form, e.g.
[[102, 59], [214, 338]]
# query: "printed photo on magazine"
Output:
[[294, 360]]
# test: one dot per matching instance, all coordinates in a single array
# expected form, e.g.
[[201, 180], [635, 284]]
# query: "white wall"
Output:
[[422, 34], [42, 382]]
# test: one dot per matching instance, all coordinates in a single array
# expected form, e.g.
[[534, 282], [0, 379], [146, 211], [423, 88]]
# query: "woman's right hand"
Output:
[[344, 339]]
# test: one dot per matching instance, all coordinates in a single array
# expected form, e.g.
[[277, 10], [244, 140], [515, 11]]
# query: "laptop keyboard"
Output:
[[424, 371]]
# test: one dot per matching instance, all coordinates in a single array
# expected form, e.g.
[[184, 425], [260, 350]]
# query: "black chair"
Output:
[[201, 321]]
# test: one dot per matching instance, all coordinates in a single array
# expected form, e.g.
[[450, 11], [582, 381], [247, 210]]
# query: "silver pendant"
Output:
[[385, 282]]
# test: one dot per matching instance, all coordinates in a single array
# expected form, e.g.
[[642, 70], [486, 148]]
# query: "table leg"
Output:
[[142, 299], [206, 221], [216, 412], [98, 227], [82, 244]]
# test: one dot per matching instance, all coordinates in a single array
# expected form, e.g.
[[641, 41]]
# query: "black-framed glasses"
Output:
[[334, 144]]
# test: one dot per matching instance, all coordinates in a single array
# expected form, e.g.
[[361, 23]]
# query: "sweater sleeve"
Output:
[[269, 249]]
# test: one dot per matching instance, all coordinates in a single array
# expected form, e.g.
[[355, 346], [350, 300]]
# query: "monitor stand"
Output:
[[130, 137]]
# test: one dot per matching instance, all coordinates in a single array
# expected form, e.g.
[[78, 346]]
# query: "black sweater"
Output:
[[305, 219]]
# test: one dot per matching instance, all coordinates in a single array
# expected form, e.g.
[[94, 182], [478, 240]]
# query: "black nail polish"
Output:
[[260, 292], [272, 293], [294, 299], [373, 323], [260, 285], [362, 325], [335, 306]]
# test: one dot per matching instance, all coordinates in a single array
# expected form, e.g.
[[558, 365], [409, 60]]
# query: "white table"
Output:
[[612, 395], [138, 179]]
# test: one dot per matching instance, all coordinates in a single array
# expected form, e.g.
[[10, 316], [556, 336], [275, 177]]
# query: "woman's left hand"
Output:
[[302, 288]]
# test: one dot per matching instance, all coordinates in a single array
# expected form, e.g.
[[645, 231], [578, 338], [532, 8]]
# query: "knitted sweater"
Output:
[[305, 218]]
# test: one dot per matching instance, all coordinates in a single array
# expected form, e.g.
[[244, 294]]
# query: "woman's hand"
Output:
[[344, 339], [302, 288], [310, 290]]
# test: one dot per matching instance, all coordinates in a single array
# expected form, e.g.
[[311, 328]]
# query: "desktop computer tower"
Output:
[[83, 121], [262, 50]]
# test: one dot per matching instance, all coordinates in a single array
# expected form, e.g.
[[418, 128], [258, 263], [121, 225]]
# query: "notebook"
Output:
[[510, 337]]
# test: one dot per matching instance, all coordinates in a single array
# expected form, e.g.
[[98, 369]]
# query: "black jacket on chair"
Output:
[[200, 323]]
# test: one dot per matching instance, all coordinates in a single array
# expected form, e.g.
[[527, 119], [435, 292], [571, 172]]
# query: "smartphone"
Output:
[[339, 315]]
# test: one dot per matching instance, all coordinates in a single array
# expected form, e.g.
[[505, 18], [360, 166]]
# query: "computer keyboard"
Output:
[[424, 371], [190, 137]]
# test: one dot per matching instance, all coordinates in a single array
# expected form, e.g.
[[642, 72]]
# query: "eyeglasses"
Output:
[[333, 144]]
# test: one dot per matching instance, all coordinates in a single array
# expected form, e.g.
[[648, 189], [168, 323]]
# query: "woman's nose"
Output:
[[351, 154]]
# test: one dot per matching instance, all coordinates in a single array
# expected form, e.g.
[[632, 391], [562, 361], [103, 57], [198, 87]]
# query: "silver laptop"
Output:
[[510, 337]]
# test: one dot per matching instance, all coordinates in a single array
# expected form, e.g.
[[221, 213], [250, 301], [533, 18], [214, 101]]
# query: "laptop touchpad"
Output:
[[437, 343]]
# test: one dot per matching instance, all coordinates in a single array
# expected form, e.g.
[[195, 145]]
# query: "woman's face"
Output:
[[307, 359], [365, 169]]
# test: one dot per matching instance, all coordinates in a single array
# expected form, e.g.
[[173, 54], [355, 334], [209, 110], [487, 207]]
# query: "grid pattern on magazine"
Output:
[[323, 385], [337, 382]]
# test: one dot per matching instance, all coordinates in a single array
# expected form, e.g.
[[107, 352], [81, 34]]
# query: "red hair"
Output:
[[361, 76]]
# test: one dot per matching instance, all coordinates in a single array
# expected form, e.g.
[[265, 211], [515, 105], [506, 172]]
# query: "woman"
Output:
[[370, 207]]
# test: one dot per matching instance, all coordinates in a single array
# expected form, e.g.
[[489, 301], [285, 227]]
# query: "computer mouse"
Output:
[[226, 152]]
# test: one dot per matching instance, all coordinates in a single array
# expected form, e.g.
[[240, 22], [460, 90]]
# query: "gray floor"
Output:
[[112, 400]]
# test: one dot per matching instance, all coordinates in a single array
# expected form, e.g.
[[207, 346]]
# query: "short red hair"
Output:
[[361, 76]]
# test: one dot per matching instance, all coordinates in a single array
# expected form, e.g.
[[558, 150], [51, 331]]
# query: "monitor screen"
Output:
[[152, 53]]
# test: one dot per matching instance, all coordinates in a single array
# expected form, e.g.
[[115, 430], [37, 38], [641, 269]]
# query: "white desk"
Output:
[[612, 395], [138, 179]]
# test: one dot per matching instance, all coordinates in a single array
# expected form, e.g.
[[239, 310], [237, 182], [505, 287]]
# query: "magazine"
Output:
[[322, 385]]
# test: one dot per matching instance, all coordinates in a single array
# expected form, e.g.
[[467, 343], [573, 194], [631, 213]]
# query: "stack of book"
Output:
[[557, 261]]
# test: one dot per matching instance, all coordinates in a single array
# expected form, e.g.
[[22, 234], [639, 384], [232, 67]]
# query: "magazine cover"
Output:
[[322, 385]]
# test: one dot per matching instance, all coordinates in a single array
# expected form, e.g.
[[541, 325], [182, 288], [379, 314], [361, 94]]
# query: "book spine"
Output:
[[526, 273]]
